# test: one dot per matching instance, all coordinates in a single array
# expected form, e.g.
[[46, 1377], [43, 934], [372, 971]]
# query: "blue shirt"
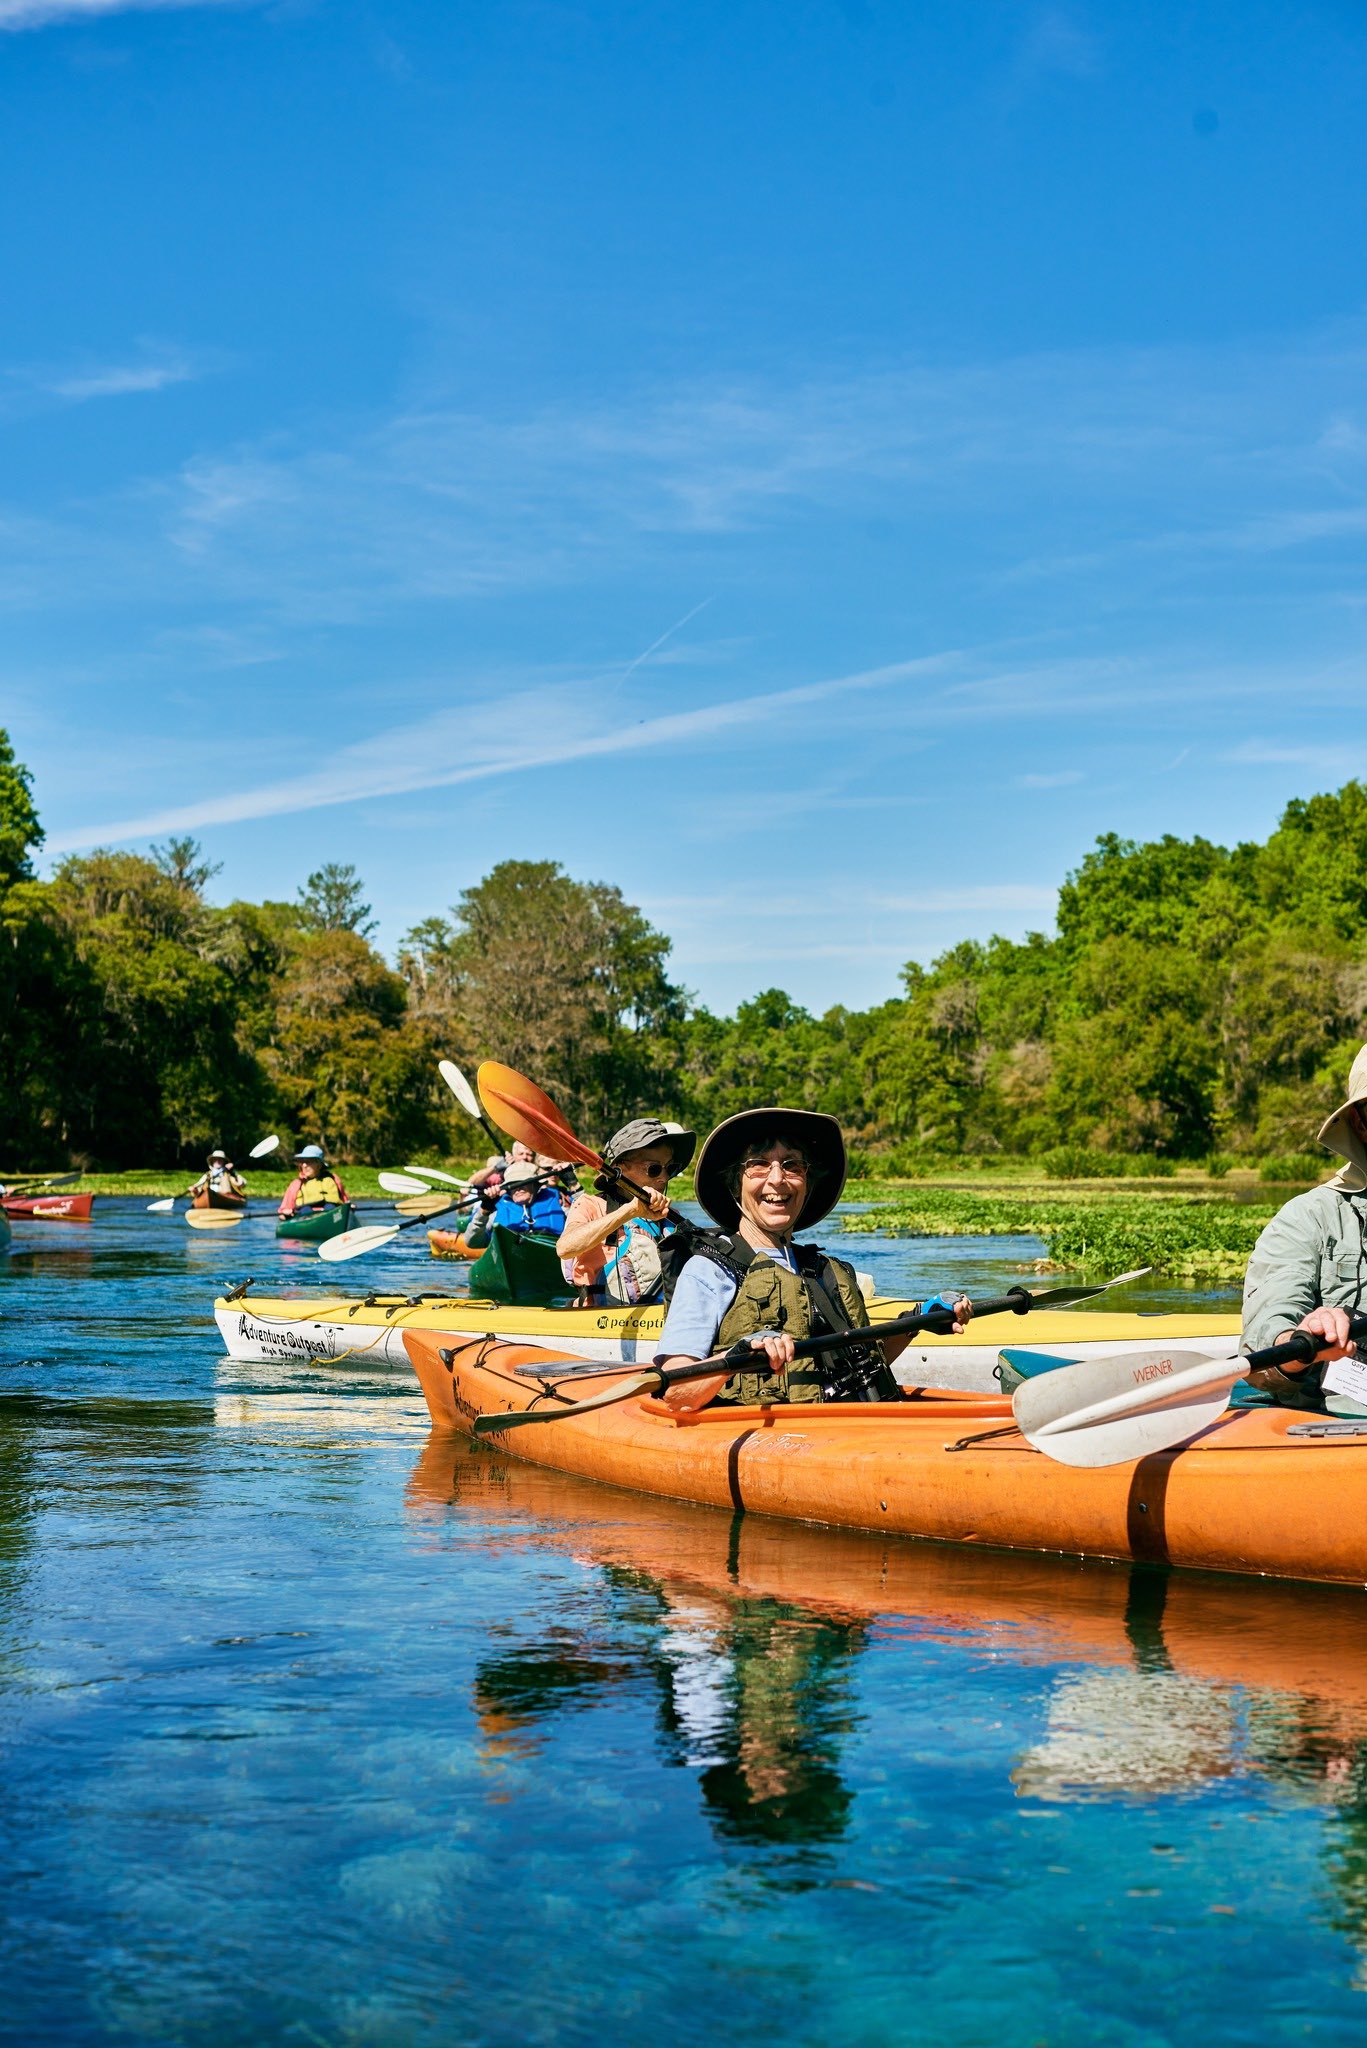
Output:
[[703, 1295]]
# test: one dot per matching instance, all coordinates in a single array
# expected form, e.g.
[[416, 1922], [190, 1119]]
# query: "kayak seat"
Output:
[[1015, 1366]]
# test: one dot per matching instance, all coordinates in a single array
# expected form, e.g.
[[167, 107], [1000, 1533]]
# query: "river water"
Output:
[[317, 1729]]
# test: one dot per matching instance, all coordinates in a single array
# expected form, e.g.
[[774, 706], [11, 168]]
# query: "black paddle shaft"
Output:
[[1301, 1348]]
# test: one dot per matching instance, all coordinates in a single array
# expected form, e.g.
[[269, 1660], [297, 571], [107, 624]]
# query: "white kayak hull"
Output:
[[370, 1333]]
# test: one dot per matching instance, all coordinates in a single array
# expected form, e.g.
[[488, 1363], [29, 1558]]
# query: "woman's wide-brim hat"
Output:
[[820, 1137], [1339, 1134]]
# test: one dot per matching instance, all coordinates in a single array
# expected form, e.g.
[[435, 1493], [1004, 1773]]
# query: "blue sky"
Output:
[[813, 465]]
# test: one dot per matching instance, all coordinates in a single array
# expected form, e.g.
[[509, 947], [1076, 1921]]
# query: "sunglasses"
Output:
[[654, 1169]]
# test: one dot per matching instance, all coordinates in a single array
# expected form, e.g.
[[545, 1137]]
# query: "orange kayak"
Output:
[[207, 1198], [449, 1244], [1246, 1496]]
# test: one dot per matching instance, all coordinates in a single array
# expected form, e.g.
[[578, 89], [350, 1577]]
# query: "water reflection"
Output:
[[1152, 1684]]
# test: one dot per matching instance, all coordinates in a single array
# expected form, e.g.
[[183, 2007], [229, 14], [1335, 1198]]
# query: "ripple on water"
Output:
[[317, 1728]]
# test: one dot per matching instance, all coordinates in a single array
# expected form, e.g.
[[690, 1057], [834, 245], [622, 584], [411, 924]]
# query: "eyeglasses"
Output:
[[654, 1169], [760, 1169]]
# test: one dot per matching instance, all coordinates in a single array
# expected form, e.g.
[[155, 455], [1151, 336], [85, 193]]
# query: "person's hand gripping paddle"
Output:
[[658, 1379], [1110, 1411]]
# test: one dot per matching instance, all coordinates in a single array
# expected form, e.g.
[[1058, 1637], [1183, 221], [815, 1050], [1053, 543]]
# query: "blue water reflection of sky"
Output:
[[316, 1728]]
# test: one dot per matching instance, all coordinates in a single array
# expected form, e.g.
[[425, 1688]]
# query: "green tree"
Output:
[[332, 901], [348, 1067], [1135, 1053], [20, 832], [562, 979]]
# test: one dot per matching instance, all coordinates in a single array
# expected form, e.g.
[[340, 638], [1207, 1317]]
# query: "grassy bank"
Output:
[[1194, 1236]]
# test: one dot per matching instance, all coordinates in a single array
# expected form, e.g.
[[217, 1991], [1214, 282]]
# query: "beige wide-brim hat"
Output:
[[1338, 1133], [820, 1137]]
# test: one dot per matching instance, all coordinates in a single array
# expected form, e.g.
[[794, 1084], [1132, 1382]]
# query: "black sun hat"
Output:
[[819, 1136]]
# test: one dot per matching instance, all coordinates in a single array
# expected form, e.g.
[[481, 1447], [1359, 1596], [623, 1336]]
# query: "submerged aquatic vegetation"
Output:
[[1189, 1236]]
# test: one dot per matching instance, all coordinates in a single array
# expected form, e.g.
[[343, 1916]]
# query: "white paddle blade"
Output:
[[452, 1180], [352, 1243], [1109, 1411], [214, 1219], [162, 1208], [267, 1145], [403, 1184], [461, 1089]]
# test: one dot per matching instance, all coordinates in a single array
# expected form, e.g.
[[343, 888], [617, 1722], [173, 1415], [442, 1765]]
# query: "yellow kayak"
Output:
[[369, 1330]]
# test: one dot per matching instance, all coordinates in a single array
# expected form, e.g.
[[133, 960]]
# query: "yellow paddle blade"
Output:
[[423, 1205], [214, 1219]]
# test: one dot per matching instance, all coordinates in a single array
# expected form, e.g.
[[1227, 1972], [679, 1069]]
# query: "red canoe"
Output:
[[53, 1208]]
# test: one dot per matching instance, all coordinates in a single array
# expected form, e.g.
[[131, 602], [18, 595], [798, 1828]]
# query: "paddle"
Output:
[[215, 1219], [402, 1184], [40, 1182], [353, 1243], [522, 1110], [168, 1203], [435, 1173], [468, 1100], [1110, 1411], [658, 1378], [426, 1206]]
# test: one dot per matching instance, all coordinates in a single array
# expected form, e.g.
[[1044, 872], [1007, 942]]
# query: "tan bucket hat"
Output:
[[820, 1137], [1338, 1133]]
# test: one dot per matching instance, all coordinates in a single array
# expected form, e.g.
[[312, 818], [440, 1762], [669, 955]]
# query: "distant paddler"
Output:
[[1308, 1270], [220, 1186], [314, 1185], [610, 1248], [763, 1176], [524, 1203]]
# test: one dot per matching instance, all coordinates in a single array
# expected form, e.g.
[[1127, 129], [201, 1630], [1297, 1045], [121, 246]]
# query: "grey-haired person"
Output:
[[1308, 1270], [610, 1247]]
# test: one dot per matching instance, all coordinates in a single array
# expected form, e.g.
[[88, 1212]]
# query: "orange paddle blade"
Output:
[[518, 1107]]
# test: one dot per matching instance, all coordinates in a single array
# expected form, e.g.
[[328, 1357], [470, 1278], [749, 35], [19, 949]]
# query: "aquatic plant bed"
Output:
[[1193, 1237]]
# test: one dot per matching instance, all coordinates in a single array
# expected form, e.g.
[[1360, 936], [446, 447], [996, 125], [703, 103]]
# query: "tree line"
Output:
[[1193, 1000]]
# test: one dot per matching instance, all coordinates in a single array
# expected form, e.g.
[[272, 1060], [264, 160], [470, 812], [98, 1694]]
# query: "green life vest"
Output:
[[771, 1296]]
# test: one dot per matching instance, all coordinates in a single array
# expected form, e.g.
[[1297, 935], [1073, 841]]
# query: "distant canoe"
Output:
[[316, 1225], [210, 1198], [50, 1208]]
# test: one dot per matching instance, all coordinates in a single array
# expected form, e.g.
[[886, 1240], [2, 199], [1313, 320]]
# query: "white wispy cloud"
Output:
[[434, 504], [552, 726], [118, 380], [22, 14]]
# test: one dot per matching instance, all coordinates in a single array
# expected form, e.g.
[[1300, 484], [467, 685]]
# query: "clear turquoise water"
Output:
[[314, 1729]]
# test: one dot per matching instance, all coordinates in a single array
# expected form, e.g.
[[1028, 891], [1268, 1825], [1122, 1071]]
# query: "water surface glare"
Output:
[[318, 1729]]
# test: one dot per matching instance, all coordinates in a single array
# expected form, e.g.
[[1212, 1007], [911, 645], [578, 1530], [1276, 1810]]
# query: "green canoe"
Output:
[[314, 1226], [5, 1232], [519, 1266]]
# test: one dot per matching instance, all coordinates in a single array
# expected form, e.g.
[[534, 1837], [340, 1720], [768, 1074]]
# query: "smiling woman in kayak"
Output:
[[763, 1176], [314, 1184]]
